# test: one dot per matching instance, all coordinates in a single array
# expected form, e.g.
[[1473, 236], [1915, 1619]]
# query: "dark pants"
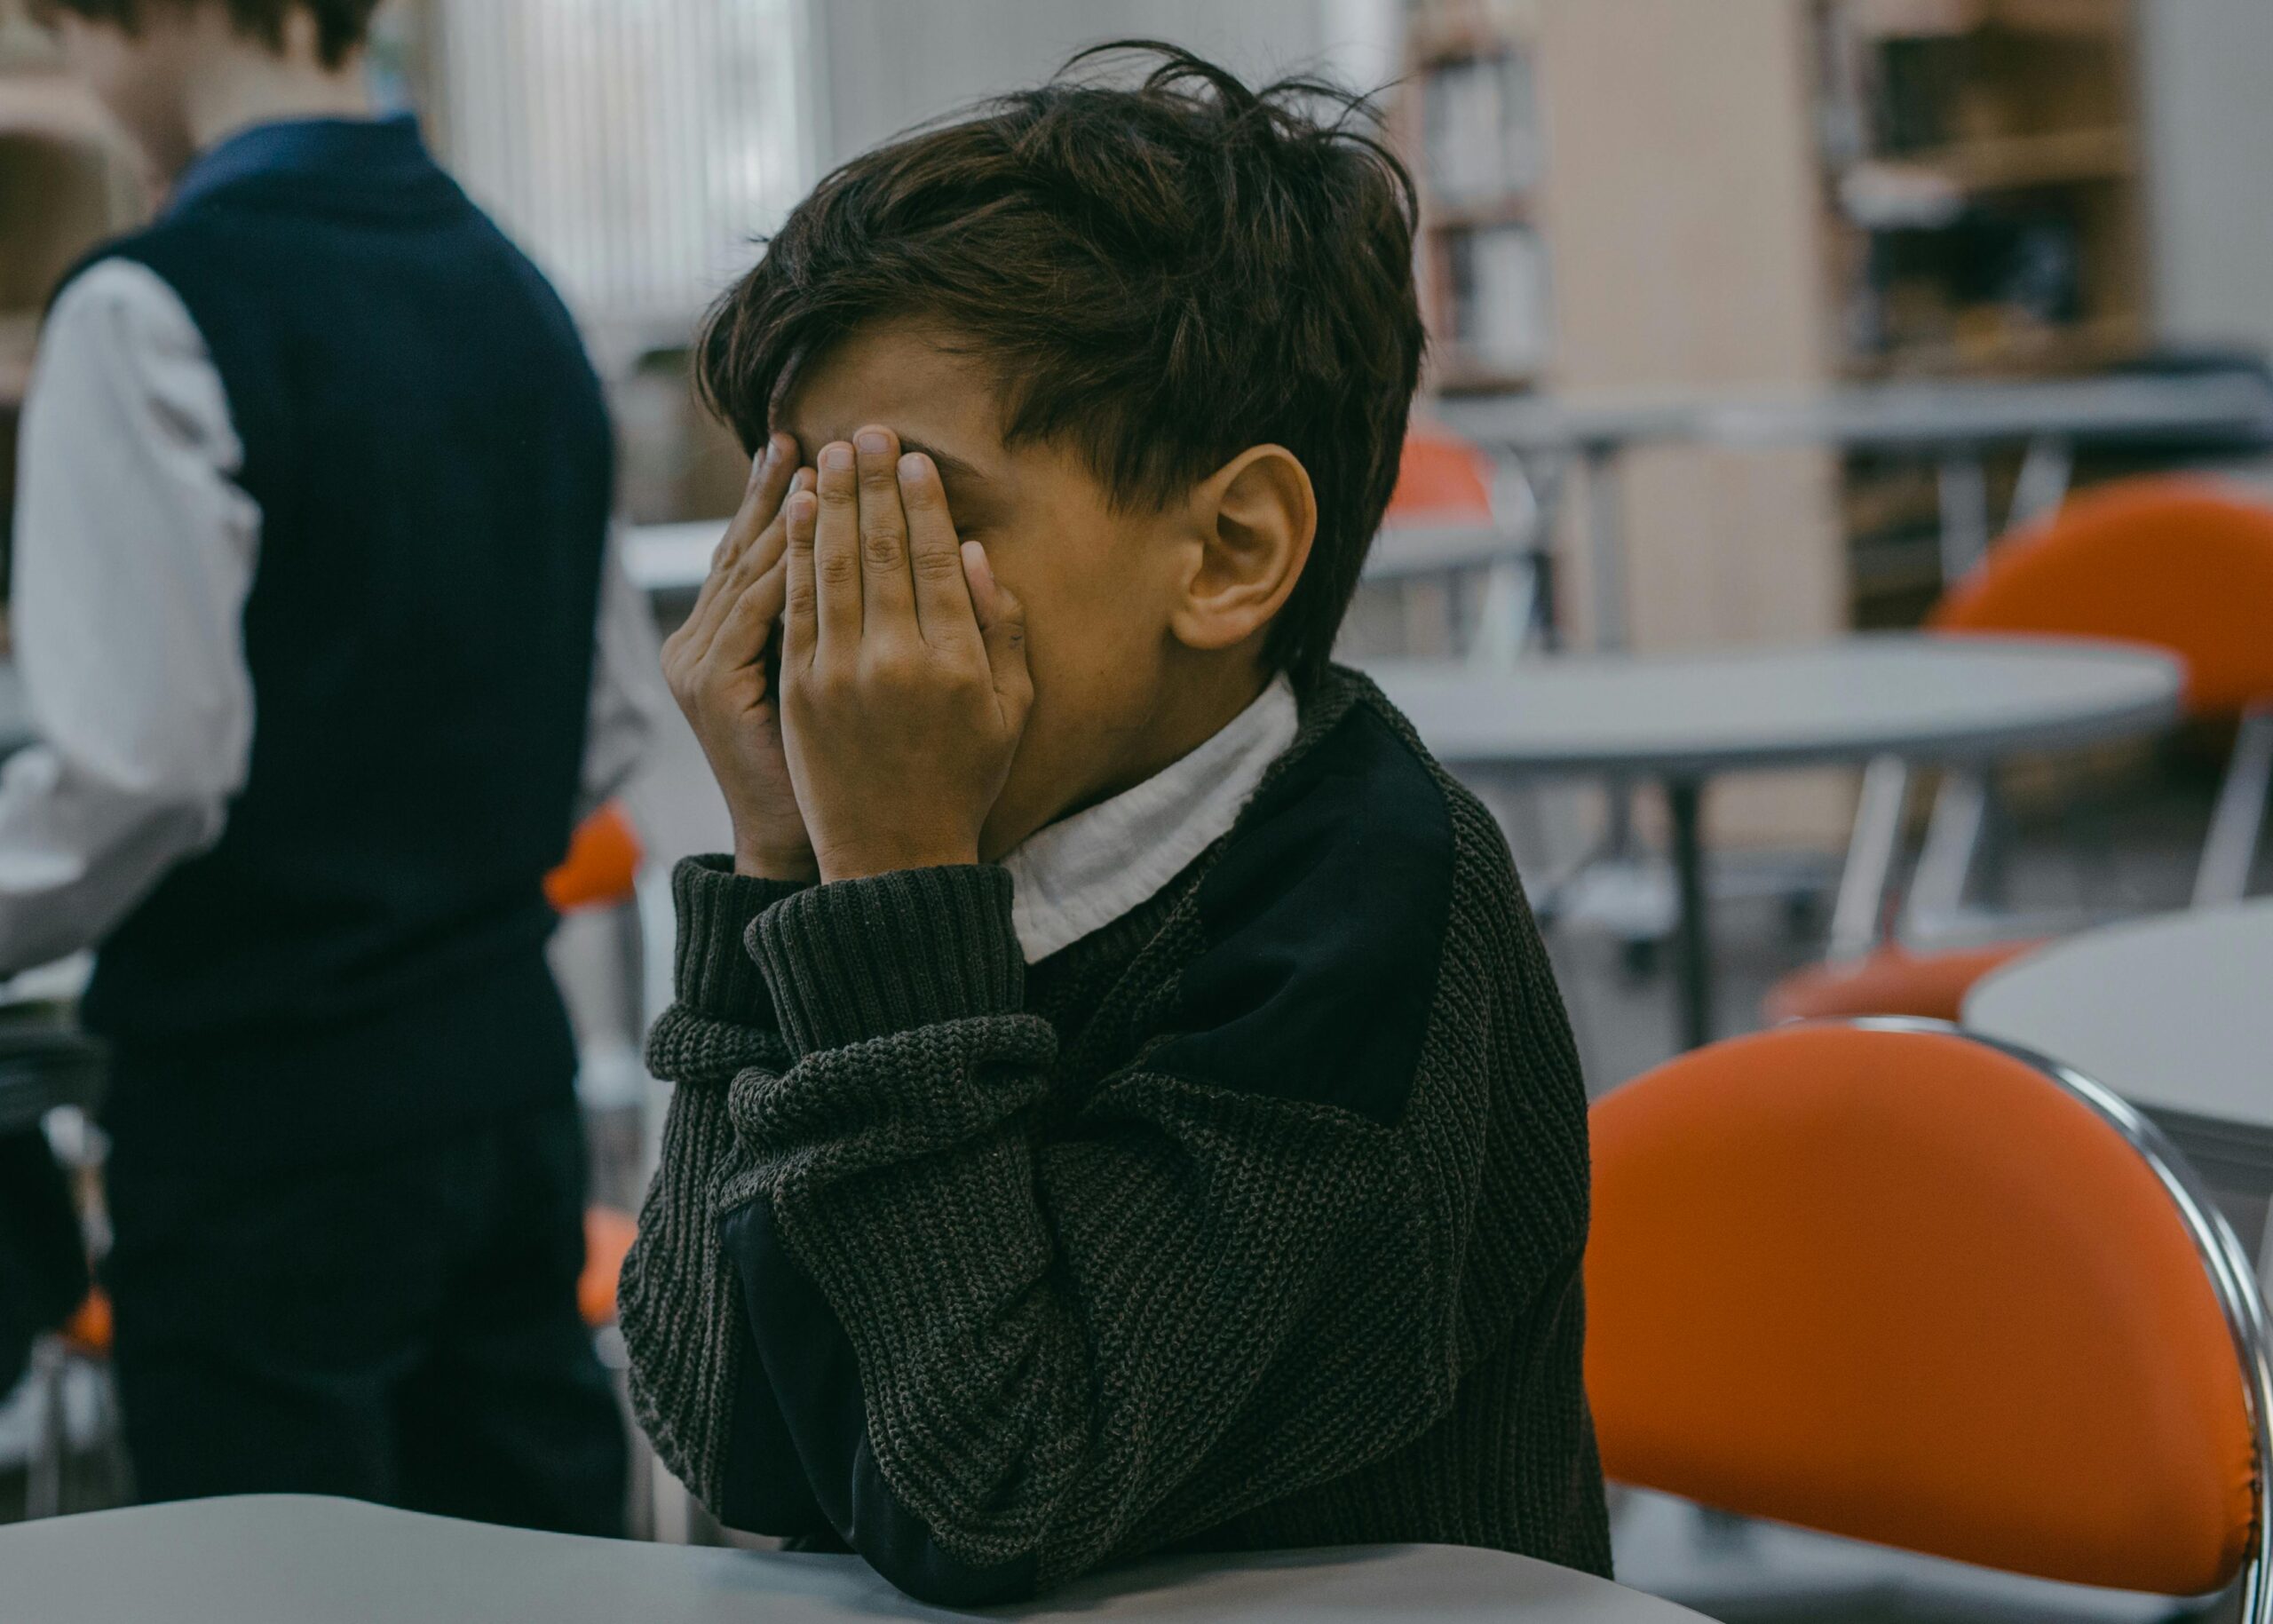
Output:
[[401, 1329]]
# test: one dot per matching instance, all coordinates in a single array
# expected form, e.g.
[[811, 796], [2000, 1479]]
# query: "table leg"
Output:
[[1606, 559], [1683, 802], [1966, 532], [1606, 546]]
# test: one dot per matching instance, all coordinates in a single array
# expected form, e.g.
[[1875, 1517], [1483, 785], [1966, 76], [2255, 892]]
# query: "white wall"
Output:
[[893, 63], [2208, 87]]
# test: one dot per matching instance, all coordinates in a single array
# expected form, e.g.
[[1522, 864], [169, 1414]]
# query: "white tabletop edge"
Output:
[[289, 1559]]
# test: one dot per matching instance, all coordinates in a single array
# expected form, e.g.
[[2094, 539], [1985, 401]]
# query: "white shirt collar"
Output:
[[1081, 873]]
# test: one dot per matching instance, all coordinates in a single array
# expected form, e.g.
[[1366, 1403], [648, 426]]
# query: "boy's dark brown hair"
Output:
[[1161, 275], [340, 24]]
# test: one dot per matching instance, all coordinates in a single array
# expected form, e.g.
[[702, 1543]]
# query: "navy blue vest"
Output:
[[360, 959]]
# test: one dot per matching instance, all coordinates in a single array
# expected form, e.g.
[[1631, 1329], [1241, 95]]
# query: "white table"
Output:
[[1682, 719], [1957, 422], [2174, 1013], [285, 1559]]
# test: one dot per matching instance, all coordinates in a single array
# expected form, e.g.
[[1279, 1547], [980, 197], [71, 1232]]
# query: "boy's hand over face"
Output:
[[904, 682], [717, 667]]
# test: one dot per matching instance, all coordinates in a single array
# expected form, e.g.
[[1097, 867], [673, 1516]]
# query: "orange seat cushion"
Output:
[[88, 1331], [1891, 981], [2180, 562], [608, 1235], [1900, 1286], [602, 866]]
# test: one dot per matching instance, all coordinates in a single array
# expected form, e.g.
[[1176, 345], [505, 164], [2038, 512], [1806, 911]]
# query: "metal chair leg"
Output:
[[1952, 830], [2239, 820], [1966, 533], [1858, 915], [51, 1431], [2046, 472]]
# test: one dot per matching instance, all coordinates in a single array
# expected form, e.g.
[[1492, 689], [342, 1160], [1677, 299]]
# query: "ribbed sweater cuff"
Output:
[[862, 959], [713, 973]]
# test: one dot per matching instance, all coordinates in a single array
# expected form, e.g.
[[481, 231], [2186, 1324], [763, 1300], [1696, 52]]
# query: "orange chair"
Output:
[[1441, 480], [608, 1235], [1891, 1282], [1892, 981], [88, 1332], [2184, 564], [84, 1340], [1447, 524], [600, 871], [602, 866]]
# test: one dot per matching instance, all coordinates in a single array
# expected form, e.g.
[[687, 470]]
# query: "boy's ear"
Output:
[[1255, 518]]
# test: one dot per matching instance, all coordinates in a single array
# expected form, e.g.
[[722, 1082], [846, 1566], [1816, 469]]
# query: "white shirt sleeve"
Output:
[[628, 694], [134, 552]]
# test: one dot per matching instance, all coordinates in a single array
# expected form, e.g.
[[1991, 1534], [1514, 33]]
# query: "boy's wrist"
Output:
[[870, 859], [757, 862]]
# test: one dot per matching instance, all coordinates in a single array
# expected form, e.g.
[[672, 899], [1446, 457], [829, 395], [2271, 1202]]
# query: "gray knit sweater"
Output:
[[1252, 1220]]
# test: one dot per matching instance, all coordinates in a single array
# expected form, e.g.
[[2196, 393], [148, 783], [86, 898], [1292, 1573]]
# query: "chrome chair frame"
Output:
[[2232, 1277]]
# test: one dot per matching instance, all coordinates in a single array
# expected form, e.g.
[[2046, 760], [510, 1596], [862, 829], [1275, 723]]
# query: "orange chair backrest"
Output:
[[2183, 563], [1900, 1286], [1441, 480], [602, 866], [608, 1235]]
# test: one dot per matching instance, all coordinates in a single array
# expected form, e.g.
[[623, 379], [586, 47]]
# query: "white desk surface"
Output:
[[1919, 416], [289, 1559], [2174, 1013], [1940, 699]]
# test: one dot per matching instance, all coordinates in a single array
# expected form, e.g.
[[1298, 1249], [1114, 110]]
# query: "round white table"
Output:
[[2174, 1013], [1681, 719], [288, 1560]]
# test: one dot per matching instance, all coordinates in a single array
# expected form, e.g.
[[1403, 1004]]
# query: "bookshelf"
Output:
[[1671, 187], [1470, 120], [1984, 202], [1985, 181]]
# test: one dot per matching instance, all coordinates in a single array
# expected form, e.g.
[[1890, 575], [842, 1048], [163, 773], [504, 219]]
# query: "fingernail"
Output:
[[836, 457], [875, 442], [911, 466]]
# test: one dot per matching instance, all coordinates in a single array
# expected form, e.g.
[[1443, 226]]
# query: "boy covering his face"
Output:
[[1122, 1101]]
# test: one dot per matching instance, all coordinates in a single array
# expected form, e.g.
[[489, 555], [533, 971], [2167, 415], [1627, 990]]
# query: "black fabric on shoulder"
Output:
[[815, 1379], [1325, 922]]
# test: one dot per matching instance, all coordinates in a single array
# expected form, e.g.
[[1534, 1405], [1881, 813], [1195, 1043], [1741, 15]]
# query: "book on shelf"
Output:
[[1497, 277], [1480, 129]]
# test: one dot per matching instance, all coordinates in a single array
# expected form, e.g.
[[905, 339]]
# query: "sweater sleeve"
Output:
[[696, 1386], [1013, 1336]]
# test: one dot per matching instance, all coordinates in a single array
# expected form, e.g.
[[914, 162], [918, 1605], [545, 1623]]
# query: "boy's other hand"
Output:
[[904, 682], [717, 667]]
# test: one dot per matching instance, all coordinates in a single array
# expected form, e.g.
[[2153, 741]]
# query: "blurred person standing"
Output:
[[315, 495]]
